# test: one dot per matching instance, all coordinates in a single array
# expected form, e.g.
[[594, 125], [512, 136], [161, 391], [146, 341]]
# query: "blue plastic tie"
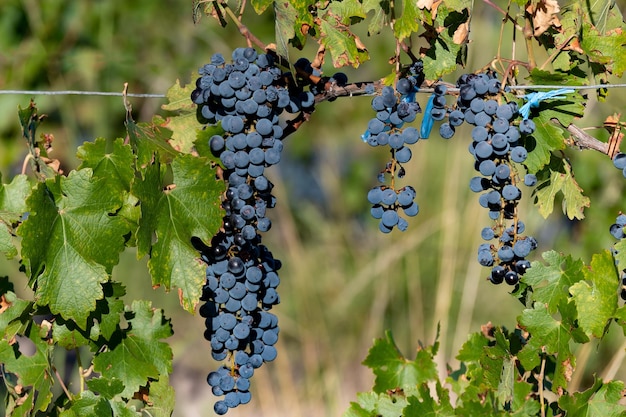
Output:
[[427, 121], [533, 99]]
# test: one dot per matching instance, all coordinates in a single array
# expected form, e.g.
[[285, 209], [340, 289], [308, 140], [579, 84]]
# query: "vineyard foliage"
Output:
[[161, 189]]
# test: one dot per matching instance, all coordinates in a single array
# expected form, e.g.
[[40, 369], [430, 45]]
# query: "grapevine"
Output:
[[193, 192]]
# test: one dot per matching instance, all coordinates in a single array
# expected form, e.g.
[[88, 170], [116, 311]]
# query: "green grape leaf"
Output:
[[6, 241], [486, 371], [380, 11], [344, 46], [34, 371], [174, 214], [620, 317], [540, 77], [148, 139], [551, 282], [602, 14], [161, 398], [547, 138], [473, 349], [102, 322], [522, 403], [68, 335], [599, 400], [506, 386], [550, 335], [426, 406], [447, 38], [393, 370], [107, 388], [558, 178], [458, 5], [109, 310], [71, 241], [14, 312], [601, 48], [184, 125], [87, 404], [123, 409], [201, 143], [347, 11], [261, 5], [285, 20], [596, 297], [409, 22], [620, 256], [372, 404], [114, 166], [12, 207], [140, 355]]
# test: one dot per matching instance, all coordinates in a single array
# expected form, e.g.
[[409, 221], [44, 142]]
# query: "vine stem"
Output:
[[80, 371], [540, 383], [63, 387]]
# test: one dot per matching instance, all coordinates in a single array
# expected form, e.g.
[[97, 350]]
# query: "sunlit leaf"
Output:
[[596, 296], [171, 216], [393, 370], [71, 241], [552, 280], [141, 354]]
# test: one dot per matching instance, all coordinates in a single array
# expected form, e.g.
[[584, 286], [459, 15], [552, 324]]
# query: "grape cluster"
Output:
[[617, 231], [245, 98], [497, 143], [394, 108]]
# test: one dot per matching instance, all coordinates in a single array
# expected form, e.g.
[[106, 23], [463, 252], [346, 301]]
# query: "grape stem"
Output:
[[294, 124], [63, 387], [243, 29], [507, 16]]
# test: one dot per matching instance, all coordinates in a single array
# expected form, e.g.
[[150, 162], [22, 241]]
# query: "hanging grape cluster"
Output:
[[245, 98], [497, 148], [394, 108]]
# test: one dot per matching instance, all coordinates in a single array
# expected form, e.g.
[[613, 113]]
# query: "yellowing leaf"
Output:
[[345, 48], [544, 14], [184, 125], [560, 181]]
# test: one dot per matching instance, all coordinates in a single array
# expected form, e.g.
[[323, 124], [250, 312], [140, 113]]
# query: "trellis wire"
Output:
[[79, 93], [143, 95]]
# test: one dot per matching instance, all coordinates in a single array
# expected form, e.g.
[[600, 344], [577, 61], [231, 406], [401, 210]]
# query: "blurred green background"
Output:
[[343, 282]]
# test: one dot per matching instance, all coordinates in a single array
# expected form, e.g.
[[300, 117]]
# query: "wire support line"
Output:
[[422, 90], [79, 93], [573, 87]]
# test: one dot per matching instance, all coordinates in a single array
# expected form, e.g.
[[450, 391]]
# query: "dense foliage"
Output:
[[189, 192]]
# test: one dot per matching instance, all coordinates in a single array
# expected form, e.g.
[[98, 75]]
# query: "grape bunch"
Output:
[[394, 108], [497, 146], [245, 98], [617, 231]]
